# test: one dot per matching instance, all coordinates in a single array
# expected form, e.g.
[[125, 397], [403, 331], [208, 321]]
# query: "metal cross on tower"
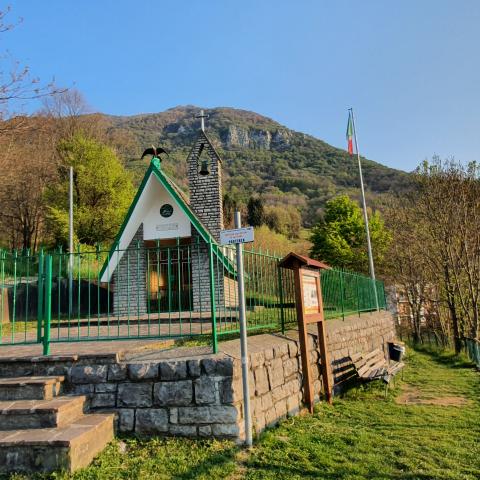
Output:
[[202, 117]]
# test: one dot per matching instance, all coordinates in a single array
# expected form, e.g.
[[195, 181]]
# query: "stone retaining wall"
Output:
[[181, 397], [201, 395]]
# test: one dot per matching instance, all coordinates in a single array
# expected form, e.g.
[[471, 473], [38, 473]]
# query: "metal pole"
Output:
[[365, 216], [40, 285], [243, 338], [47, 305], [213, 304], [70, 243]]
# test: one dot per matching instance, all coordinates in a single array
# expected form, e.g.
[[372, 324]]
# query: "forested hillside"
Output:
[[260, 156], [285, 177]]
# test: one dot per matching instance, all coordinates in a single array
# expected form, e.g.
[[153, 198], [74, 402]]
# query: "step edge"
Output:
[[56, 443], [15, 381], [44, 409]]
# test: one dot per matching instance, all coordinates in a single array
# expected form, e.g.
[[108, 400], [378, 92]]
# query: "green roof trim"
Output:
[[155, 169]]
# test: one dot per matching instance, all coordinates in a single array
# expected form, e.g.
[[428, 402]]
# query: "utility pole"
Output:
[[365, 216]]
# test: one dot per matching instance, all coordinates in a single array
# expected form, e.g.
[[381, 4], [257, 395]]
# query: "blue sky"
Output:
[[409, 68]]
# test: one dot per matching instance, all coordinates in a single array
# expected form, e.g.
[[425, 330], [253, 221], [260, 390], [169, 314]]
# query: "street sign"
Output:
[[236, 235]]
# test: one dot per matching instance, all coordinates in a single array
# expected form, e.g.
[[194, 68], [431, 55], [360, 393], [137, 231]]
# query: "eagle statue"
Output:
[[155, 152]]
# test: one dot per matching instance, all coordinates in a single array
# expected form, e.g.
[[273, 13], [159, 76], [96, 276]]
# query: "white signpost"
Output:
[[238, 236]]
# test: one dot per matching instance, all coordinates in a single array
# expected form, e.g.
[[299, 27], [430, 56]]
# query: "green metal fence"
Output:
[[157, 291], [345, 293], [473, 350]]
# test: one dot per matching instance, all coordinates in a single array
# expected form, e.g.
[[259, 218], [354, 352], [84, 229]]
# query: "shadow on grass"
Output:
[[215, 461], [444, 357], [257, 470]]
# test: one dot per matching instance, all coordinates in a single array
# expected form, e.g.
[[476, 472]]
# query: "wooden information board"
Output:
[[308, 296]]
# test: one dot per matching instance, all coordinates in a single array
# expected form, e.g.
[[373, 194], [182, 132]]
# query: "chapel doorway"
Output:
[[169, 277]]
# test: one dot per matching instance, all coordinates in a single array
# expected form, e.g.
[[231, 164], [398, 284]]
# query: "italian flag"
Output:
[[350, 133]]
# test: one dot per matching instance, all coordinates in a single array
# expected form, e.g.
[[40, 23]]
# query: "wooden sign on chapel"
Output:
[[308, 299]]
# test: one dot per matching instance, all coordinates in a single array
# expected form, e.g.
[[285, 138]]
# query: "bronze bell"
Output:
[[204, 168]]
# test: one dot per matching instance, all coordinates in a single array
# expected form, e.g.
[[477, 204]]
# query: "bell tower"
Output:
[[205, 182]]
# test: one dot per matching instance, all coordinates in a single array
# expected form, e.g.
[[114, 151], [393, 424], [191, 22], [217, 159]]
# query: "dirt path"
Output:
[[414, 396]]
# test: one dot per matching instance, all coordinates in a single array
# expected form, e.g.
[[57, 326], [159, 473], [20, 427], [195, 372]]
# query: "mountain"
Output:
[[259, 156]]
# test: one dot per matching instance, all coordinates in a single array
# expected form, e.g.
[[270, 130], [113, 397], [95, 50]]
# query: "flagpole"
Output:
[[365, 216]]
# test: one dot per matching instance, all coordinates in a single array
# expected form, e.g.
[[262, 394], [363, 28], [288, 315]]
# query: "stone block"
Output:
[[218, 366], [292, 349], [225, 387], [267, 402], [259, 422], [134, 395], [88, 373], [117, 372], [194, 415], [204, 431], [290, 366], [275, 373], [293, 405], [280, 350], [173, 415], [83, 389], [142, 371], [151, 421], [257, 359], [106, 387], [281, 409], [255, 405], [237, 392], [230, 430], [268, 353], [173, 393], [204, 390], [126, 418], [101, 400], [223, 413], [193, 367], [279, 393], [270, 417], [173, 370], [183, 430], [261, 381]]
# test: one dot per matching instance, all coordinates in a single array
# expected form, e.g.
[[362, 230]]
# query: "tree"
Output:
[[17, 86], [255, 212], [407, 263], [339, 239], [103, 192], [285, 219], [438, 225], [230, 205], [28, 168]]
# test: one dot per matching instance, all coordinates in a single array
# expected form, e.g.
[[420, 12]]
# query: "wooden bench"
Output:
[[373, 366]]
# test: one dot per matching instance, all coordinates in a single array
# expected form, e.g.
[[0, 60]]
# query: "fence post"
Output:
[[212, 297], [358, 295], [280, 294], [342, 294], [40, 294], [47, 305]]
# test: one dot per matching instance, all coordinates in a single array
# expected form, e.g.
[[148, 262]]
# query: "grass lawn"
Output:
[[428, 428]]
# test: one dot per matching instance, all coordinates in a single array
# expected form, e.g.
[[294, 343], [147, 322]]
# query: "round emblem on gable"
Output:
[[166, 210]]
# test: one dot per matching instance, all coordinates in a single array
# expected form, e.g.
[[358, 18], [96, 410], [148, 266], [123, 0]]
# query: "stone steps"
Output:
[[20, 414], [30, 388], [41, 431], [47, 449]]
